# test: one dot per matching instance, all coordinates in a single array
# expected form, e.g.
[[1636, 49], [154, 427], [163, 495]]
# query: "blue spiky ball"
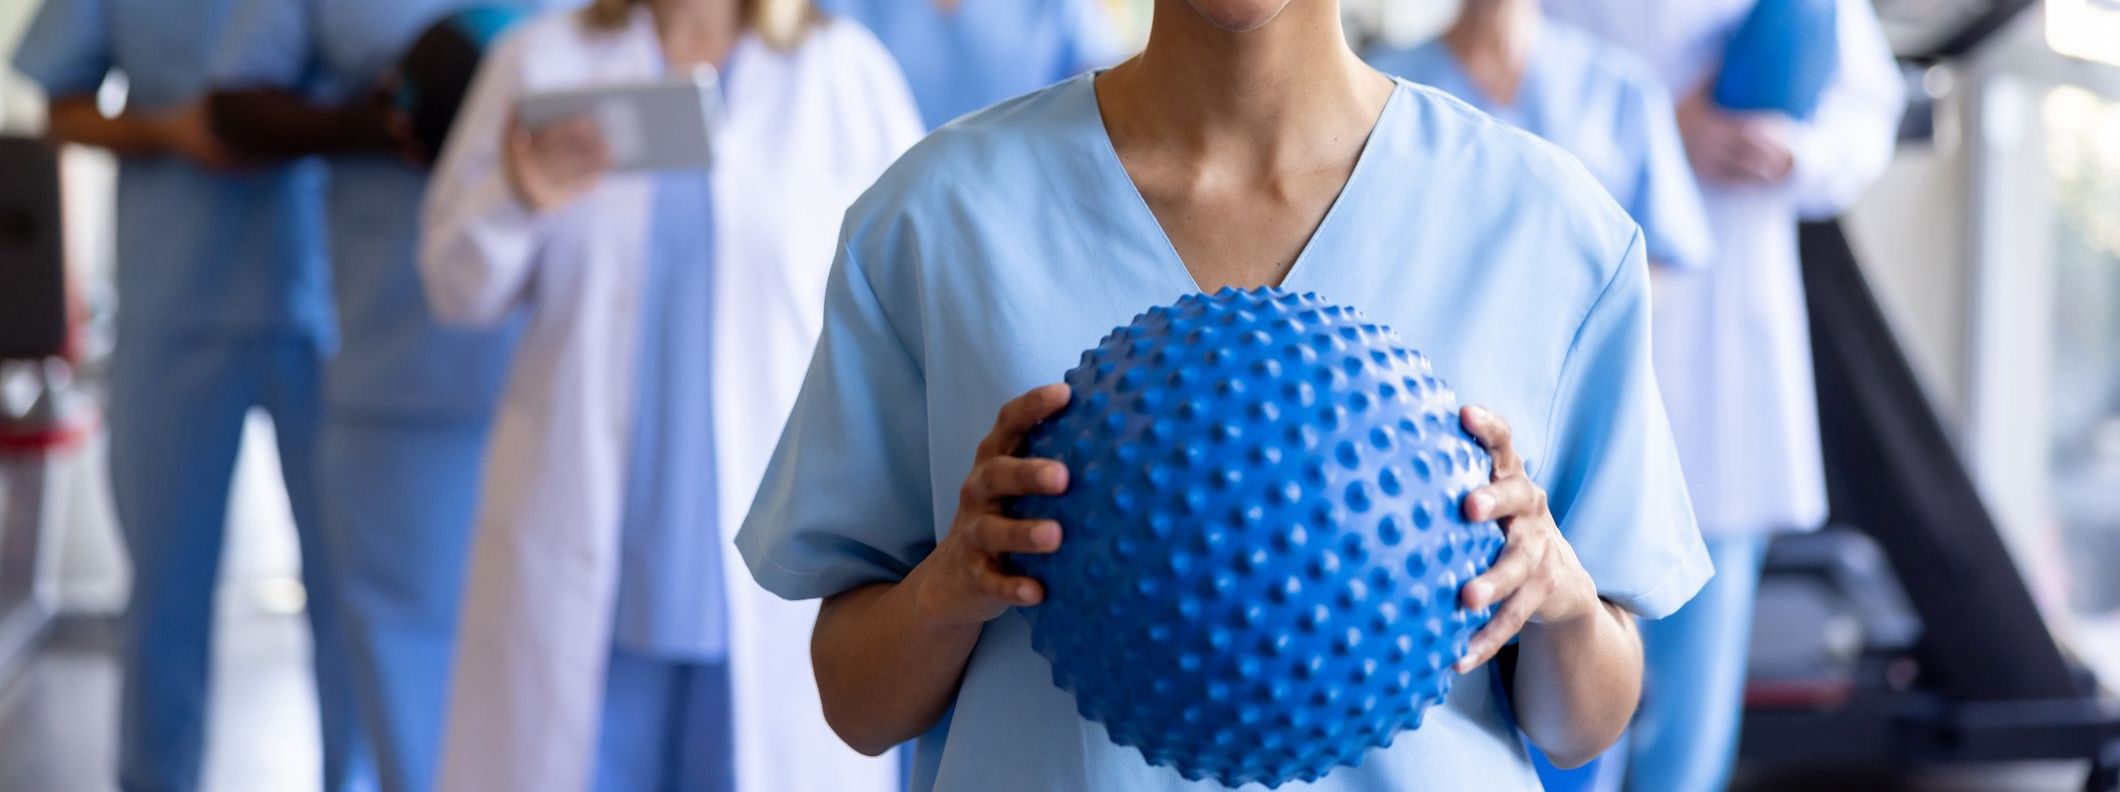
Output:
[[1264, 539]]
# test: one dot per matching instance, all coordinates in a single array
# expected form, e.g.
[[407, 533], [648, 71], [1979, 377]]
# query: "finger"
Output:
[[1716, 166], [1515, 496], [1009, 477], [574, 129], [568, 139], [1018, 416], [1493, 432], [1763, 163], [995, 535], [1501, 581], [577, 166], [1012, 589], [599, 153], [1507, 622]]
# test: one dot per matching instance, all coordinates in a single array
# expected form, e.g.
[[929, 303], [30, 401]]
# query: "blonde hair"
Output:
[[780, 23]]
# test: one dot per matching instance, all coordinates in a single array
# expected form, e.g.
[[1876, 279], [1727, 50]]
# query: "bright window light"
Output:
[[2087, 29]]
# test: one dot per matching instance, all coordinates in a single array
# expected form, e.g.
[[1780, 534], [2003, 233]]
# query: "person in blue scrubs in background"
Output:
[[1247, 146], [223, 307], [962, 55], [1591, 98], [1733, 344], [407, 401], [1602, 105]]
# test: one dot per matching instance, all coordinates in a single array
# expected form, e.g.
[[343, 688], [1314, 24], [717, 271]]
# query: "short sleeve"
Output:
[[66, 49], [1612, 474], [1666, 200], [267, 44], [846, 499]]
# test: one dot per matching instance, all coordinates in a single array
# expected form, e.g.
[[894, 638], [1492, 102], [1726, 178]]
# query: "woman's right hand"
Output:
[[965, 581], [552, 166], [1734, 148]]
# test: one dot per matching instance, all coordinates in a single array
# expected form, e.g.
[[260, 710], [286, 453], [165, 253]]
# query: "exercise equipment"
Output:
[[33, 298], [1781, 58], [45, 413], [436, 71], [1981, 679], [1264, 537]]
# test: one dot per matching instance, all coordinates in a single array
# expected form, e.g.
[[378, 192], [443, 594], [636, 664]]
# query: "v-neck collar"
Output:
[[1519, 108], [1139, 214]]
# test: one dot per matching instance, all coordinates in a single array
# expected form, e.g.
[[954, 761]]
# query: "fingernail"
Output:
[[1475, 594], [1024, 593], [1045, 535], [1480, 504], [1053, 477]]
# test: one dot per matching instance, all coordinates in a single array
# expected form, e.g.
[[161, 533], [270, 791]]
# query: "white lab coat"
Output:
[[1733, 344], [806, 130]]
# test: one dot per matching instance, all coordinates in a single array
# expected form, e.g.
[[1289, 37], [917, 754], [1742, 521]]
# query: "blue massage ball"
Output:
[[1781, 58], [1264, 540]]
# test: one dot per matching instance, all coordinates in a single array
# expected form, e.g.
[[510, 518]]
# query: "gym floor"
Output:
[[58, 720], [58, 727]]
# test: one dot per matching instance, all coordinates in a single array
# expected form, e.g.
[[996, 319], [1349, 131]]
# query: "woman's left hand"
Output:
[[1537, 579]]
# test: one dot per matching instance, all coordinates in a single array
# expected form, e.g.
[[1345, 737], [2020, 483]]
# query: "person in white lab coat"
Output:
[[1733, 351], [608, 642]]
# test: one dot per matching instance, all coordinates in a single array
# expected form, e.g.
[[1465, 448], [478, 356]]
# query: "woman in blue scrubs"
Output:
[[223, 308], [962, 55], [1591, 98], [407, 401], [1248, 145]]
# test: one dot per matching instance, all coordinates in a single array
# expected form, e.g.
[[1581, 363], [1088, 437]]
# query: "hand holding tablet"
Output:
[[662, 125]]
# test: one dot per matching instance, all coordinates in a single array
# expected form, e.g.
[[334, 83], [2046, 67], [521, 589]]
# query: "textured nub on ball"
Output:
[[1264, 537]]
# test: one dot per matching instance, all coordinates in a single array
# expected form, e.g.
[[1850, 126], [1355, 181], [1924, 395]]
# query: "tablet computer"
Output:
[[660, 125]]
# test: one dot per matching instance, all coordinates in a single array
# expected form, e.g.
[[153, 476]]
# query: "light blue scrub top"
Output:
[[199, 252], [1595, 100], [996, 250], [983, 51], [670, 598], [397, 360]]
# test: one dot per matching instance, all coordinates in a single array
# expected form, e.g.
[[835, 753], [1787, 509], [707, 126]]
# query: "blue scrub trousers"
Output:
[[399, 495], [177, 409], [1685, 737], [666, 726]]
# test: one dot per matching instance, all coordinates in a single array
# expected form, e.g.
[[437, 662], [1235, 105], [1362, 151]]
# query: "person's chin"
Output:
[[1238, 16]]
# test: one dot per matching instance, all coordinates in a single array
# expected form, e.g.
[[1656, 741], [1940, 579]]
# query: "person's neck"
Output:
[[697, 31], [1267, 93], [1493, 40]]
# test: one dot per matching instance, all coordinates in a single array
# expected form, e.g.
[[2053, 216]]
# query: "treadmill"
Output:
[[34, 343], [1904, 634]]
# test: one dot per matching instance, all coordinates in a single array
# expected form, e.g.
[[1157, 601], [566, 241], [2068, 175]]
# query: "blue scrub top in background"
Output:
[[983, 51], [397, 361], [1595, 100], [993, 253], [670, 598], [224, 253]]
